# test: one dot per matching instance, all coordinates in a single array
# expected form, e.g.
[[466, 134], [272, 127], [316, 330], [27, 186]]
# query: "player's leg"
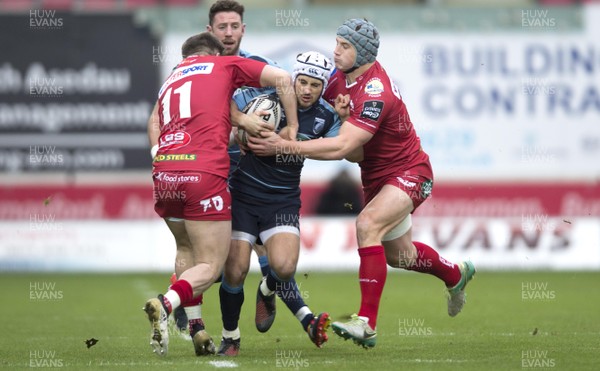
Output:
[[289, 293], [231, 294], [158, 309], [378, 216], [179, 318], [404, 253], [261, 253], [281, 270], [211, 246], [206, 209], [283, 250], [183, 260], [203, 342], [210, 241]]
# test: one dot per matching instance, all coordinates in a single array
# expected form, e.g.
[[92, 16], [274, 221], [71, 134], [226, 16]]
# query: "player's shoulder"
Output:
[[377, 85], [256, 57], [336, 78], [325, 107]]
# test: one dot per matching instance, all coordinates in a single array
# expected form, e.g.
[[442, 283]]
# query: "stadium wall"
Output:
[[510, 119]]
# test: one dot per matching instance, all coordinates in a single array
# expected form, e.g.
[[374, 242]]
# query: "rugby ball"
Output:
[[264, 102]]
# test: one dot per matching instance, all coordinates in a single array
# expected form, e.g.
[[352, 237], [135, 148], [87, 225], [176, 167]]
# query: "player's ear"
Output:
[[208, 28]]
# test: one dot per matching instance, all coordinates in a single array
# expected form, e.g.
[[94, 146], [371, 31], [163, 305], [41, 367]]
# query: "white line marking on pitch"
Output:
[[224, 364]]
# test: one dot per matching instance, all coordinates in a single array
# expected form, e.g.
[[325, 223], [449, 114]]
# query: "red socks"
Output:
[[195, 301], [371, 275], [184, 290], [429, 261]]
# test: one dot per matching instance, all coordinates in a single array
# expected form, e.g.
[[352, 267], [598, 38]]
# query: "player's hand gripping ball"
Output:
[[264, 102]]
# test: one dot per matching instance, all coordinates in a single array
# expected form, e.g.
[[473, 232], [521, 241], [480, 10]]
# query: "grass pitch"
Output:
[[512, 320]]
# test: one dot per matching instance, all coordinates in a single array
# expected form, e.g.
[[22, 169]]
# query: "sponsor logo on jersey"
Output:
[[178, 178], [372, 109], [185, 71], [406, 183], [374, 87], [181, 157], [319, 125], [174, 140], [197, 69], [426, 188]]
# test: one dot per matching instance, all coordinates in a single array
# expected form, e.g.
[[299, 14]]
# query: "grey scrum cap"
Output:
[[363, 35]]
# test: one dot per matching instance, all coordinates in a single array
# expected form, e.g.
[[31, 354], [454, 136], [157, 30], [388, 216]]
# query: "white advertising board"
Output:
[[486, 106], [326, 244]]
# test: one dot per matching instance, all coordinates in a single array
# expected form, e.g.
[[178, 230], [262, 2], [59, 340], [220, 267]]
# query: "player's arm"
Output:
[[342, 106], [282, 81], [342, 112], [154, 130], [356, 155], [349, 139], [253, 124]]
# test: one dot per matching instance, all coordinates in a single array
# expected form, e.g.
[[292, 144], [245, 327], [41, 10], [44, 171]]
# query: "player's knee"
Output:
[[233, 281], [184, 246], [235, 275], [407, 256], [285, 272], [392, 260], [212, 273], [365, 226]]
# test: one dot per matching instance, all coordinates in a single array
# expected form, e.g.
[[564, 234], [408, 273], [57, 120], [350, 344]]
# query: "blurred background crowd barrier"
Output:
[[505, 96]]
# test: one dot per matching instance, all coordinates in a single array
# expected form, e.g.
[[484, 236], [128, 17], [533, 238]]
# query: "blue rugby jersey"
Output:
[[268, 179], [234, 150]]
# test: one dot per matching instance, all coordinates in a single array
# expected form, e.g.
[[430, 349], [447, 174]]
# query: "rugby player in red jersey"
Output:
[[191, 166], [395, 171], [226, 22]]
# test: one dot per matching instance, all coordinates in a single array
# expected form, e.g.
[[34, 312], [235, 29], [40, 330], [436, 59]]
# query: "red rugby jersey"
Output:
[[377, 107], [194, 112]]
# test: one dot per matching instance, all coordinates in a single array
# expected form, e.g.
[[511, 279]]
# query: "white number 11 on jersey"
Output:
[[185, 111]]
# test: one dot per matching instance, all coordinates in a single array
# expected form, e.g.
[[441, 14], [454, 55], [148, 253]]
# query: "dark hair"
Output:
[[225, 6], [204, 42]]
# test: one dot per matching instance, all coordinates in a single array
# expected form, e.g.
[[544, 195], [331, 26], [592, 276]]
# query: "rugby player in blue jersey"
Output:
[[266, 206], [226, 23]]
